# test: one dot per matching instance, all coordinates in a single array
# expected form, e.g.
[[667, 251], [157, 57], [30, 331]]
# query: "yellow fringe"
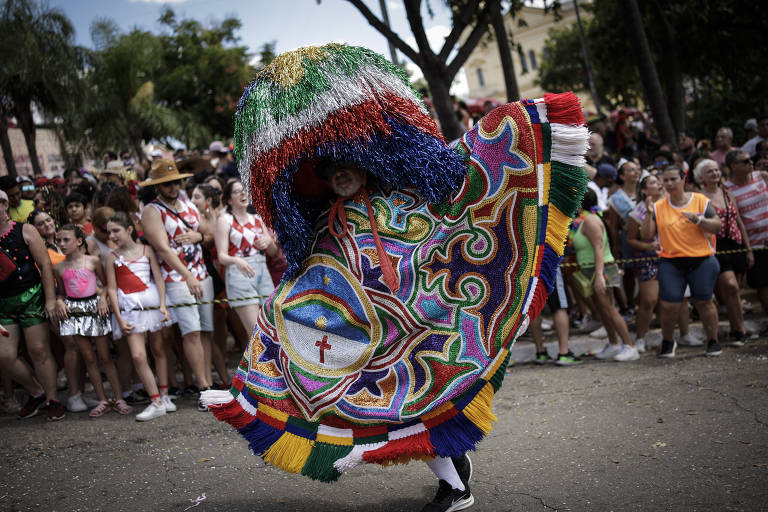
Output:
[[404, 459], [478, 411], [289, 453], [546, 181], [557, 229]]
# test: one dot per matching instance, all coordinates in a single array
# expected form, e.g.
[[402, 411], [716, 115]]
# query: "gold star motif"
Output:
[[321, 322], [326, 279]]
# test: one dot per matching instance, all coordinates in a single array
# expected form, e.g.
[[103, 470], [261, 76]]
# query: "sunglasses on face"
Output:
[[743, 161]]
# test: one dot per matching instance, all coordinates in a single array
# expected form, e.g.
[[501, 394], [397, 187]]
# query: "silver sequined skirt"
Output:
[[84, 321]]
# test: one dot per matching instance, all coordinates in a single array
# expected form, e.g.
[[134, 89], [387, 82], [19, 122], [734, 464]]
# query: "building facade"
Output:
[[483, 67]]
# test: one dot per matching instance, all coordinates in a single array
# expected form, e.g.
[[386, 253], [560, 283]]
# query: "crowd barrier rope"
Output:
[[225, 301]]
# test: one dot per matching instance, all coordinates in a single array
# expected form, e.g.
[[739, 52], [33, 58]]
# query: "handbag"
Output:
[[584, 285]]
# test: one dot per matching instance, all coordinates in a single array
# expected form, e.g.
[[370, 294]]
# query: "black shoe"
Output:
[[200, 405], [568, 359], [542, 358], [449, 499], [56, 411], [191, 390], [135, 398], [739, 339], [32, 406], [668, 348], [713, 348], [463, 467], [174, 392]]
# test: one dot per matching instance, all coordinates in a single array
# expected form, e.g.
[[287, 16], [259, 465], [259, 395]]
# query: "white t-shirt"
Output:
[[751, 145]]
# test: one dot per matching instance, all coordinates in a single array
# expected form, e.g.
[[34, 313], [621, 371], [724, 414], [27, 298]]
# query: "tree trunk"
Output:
[[435, 74], [23, 114], [647, 70], [5, 144], [507, 65], [670, 66]]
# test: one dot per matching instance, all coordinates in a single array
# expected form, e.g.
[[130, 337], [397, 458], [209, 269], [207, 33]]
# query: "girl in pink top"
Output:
[[83, 313]]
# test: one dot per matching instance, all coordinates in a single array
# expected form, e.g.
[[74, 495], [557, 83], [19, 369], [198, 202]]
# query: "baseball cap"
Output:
[[606, 170]]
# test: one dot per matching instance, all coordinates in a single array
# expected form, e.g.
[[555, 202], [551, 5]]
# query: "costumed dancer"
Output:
[[138, 307], [83, 312], [411, 267]]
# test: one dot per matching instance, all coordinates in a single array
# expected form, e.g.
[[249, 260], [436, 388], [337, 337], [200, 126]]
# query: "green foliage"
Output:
[[39, 59], [562, 67], [718, 45]]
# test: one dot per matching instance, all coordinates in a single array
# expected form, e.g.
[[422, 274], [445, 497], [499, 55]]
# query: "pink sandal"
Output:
[[122, 407], [99, 410]]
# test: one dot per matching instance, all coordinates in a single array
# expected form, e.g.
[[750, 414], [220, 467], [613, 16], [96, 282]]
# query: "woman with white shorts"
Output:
[[243, 244]]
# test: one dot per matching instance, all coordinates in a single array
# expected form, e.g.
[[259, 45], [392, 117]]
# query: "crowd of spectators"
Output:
[[98, 262]]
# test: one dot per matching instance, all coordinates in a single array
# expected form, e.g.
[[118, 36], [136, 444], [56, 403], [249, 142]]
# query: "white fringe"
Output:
[[216, 397], [355, 457], [569, 143]]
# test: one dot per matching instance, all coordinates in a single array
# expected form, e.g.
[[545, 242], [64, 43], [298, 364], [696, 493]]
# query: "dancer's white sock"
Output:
[[444, 469]]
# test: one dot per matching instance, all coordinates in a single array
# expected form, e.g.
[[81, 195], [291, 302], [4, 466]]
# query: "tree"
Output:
[[39, 65], [204, 72], [439, 68], [502, 41]]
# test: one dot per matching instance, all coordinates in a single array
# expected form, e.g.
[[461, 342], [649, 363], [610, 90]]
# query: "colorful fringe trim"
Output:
[[324, 453]]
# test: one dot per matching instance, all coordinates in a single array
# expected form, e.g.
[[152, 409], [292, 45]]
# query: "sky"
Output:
[[291, 23]]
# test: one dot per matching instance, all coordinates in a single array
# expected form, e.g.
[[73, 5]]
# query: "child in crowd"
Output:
[[130, 269], [76, 276], [75, 205]]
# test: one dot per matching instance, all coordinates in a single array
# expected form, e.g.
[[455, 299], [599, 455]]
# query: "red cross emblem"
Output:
[[323, 345]]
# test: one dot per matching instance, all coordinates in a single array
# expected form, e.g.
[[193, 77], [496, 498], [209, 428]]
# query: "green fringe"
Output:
[[319, 465], [498, 377], [567, 187]]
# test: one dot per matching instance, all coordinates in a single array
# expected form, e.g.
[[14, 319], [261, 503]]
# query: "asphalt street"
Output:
[[683, 434]]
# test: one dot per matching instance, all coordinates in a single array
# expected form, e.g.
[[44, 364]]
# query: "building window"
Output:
[[532, 59], [523, 62], [480, 78]]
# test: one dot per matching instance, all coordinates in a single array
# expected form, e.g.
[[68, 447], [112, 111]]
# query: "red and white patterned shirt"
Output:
[[242, 237], [752, 200], [190, 255]]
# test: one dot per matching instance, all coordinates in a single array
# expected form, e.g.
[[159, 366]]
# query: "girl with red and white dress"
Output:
[[138, 305], [243, 244]]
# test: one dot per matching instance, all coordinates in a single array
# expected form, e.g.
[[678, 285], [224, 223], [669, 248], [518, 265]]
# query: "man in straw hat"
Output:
[[172, 227]]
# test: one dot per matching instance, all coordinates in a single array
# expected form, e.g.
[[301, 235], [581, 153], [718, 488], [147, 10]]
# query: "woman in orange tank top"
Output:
[[686, 225]]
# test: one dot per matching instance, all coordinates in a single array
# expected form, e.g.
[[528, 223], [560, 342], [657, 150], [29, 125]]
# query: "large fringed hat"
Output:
[[340, 102]]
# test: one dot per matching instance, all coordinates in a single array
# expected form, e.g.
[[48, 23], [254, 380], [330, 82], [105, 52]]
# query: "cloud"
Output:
[[157, 1], [394, 6], [435, 36]]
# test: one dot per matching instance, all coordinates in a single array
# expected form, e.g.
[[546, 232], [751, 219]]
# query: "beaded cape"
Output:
[[342, 367]]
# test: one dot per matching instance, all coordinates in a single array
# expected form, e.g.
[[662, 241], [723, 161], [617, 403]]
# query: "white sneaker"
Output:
[[76, 403], [640, 345], [152, 411], [690, 340], [168, 403], [599, 333], [90, 402], [609, 351], [627, 354], [588, 325]]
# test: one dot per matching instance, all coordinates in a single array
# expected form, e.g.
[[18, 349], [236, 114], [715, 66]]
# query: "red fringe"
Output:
[[233, 413], [539, 299], [416, 445], [564, 108], [356, 122]]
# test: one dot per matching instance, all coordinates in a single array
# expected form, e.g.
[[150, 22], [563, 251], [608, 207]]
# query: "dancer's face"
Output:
[[346, 181]]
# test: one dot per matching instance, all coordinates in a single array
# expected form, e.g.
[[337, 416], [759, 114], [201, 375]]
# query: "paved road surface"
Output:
[[683, 434]]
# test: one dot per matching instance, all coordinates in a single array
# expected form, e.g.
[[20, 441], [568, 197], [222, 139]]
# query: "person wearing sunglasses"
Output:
[[750, 192]]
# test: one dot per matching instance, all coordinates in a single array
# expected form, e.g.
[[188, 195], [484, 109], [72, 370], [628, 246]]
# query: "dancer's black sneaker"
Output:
[[449, 499], [713, 348], [668, 348]]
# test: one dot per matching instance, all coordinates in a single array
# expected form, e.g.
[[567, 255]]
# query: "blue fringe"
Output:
[[549, 263], [408, 158], [260, 436], [454, 437]]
